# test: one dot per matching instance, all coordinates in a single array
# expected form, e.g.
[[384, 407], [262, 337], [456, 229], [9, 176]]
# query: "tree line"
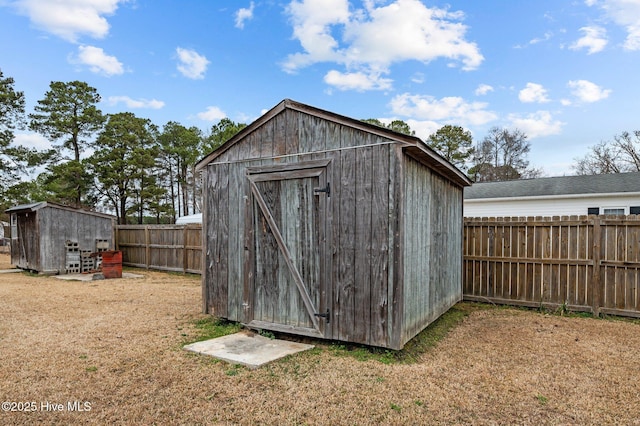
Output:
[[119, 162], [127, 165], [502, 154]]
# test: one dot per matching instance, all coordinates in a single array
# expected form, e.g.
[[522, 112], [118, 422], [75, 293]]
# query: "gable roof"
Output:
[[26, 207], [412, 145], [32, 207], [563, 185]]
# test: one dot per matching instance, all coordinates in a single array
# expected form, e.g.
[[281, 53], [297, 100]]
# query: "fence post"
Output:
[[596, 287], [147, 247], [185, 257], [116, 236]]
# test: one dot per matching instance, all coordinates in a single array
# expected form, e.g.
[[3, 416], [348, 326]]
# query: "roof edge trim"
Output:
[[553, 197]]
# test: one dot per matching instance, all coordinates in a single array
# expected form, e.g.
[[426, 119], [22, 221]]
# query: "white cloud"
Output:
[[373, 38], [244, 14], [425, 128], [594, 40], [625, 13], [98, 61], [213, 113], [540, 123], [587, 91], [68, 19], [136, 103], [633, 39], [483, 89], [191, 64], [312, 21], [422, 107], [408, 30], [547, 36], [533, 93], [356, 81], [418, 78], [32, 140]]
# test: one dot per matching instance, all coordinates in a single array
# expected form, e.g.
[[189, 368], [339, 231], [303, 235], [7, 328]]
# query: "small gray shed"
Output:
[[321, 225], [53, 239]]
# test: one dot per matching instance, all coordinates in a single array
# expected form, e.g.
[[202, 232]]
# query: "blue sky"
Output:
[[564, 72]]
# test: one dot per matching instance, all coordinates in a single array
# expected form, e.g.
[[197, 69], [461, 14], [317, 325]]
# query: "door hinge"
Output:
[[326, 189], [326, 315]]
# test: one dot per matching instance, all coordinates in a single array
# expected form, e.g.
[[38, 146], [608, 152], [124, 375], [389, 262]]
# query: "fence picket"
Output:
[[589, 264], [162, 247]]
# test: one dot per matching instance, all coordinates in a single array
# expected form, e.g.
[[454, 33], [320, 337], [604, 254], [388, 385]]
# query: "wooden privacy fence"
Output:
[[584, 263], [164, 247]]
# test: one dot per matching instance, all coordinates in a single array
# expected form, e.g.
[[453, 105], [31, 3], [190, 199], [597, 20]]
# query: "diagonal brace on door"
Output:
[[287, 255]]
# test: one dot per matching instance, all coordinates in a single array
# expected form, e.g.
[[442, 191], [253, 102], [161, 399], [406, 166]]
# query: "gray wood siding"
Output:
[[57, 226], [379, 276], [216, 230], [363, 227], [42, 235], [358, 226], [291, 133], [432, 247]]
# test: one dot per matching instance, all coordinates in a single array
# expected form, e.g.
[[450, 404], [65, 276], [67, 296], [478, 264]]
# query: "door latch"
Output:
[[326, 315], [326, 189]]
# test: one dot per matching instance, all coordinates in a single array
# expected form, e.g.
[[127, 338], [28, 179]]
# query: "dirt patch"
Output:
[[116, 346], [5, 261]]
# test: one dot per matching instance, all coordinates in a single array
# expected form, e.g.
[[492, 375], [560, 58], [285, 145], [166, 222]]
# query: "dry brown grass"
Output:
[[117, 344]]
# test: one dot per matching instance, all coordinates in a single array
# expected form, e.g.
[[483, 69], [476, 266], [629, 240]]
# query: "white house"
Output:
[[192, 218], [617, 193]]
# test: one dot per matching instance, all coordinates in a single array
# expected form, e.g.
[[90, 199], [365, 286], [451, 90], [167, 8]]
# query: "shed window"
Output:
[[14, 226], [593, 210], [613, 210], [634, 210]]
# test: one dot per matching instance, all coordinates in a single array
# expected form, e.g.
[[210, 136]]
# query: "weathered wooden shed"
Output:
[[318, 224], [53, 239]]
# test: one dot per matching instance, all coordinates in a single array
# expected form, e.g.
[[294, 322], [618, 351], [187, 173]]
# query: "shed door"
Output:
[[289, 288], [27, 243]]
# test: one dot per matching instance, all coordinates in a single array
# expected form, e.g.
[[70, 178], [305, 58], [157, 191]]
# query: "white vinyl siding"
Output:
[[548, 206]]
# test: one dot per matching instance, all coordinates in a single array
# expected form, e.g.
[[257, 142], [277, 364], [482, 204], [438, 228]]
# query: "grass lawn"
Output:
[[109, 352]]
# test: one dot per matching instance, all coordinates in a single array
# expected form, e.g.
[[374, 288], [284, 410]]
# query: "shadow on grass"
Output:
[[416, 347], [211, 327]]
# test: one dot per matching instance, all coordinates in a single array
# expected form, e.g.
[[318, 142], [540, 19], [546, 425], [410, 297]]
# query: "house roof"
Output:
[[412, 145], [32, 207], [563, 185]]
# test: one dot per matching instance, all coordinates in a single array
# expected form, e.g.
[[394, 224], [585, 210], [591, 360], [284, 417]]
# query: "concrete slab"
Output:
[[248, 349], [9, 271], [89, 277]]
